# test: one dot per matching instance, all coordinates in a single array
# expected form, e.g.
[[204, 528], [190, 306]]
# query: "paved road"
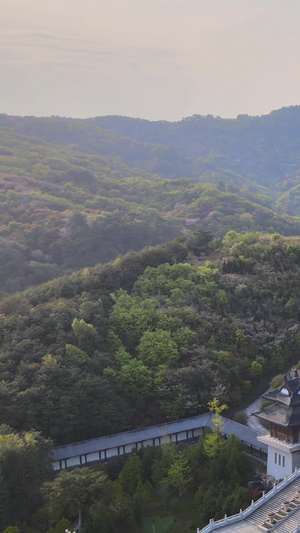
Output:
[[254, 423]]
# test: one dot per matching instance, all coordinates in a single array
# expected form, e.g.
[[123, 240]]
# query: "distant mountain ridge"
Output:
[[264, 149], [186, 133], [270, 141], [77, 192]]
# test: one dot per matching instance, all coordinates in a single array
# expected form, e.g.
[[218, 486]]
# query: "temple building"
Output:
[[283, 419], [279, 509]]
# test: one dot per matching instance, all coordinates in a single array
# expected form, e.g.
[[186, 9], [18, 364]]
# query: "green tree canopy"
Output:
[[158, 347], [70, 493]]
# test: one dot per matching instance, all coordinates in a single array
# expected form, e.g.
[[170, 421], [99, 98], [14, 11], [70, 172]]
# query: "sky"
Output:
[[153, 59]]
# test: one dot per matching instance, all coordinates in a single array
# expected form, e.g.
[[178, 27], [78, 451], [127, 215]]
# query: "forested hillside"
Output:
[[153, 336], [68, 199], [203, 307], [150, 337], [264, 148], [62, 210]]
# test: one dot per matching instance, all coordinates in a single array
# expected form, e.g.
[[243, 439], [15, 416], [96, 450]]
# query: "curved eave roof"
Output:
[[275, 396], [275, 413], [287, 417], [287, 394]]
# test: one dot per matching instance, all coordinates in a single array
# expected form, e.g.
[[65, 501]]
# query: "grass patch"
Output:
[[158, 525]]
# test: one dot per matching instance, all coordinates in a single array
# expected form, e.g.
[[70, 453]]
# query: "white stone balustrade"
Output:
[[217, 524]]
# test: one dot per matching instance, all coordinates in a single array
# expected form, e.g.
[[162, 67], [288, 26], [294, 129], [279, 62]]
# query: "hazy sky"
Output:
[[156, 59]]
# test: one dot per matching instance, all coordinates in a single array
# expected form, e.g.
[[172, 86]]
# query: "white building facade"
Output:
[[283, 418]]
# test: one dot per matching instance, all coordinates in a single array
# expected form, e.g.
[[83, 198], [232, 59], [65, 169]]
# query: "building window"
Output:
[[275, 458], [283, 460], [279, 459]]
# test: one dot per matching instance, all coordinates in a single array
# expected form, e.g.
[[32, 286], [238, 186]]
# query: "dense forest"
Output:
[[73, 195], [152, 336], [264, 149], [147, 270], [149, 337]]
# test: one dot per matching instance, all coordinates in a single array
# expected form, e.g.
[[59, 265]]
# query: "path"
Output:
[[254, 422]]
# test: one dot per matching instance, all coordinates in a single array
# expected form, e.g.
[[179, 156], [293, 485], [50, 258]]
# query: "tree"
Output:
[[100, 521], [256, 368], [213, 441], [63, 526], [276, 381], [76, 355], [6, 502], [131, 317], [238, 499], [179, 475], [216, 408], [86, 335], [12, 529], [241, 339], [157, 347], [184, 339], [71, 492], [131, 475], [137, 377], [162, 463], [25, 462], [241, 417]]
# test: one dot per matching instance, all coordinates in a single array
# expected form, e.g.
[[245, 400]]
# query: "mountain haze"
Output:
[[78, 192]]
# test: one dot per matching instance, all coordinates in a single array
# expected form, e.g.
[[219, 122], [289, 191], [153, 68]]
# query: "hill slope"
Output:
[[150, 337], [69, 200], [265, 148]]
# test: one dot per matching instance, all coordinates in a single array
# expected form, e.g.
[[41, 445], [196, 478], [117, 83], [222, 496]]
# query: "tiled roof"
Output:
[[283, 416], [288, 393], [275, 413], [229, 427], [129, 437], [275, 396]]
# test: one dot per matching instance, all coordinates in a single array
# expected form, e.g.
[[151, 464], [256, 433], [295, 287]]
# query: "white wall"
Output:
[[112, 452], [181, 435], [198, 432], [128, 448], [73, 461], [56, 465], [92, 457], [274, 468], [148, 442]]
